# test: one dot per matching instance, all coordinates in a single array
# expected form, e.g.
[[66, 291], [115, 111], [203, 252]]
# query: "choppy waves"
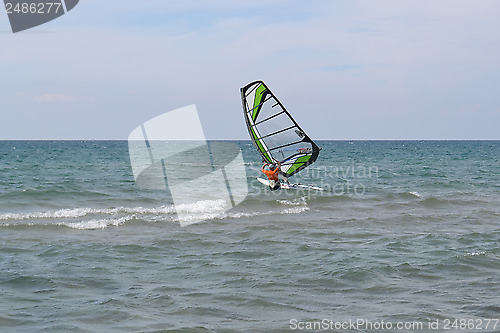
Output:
[[84, 249]]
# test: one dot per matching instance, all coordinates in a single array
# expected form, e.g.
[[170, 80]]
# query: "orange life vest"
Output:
[[271, 175]]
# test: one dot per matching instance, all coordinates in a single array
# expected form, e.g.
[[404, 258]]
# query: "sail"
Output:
[[274, 132]]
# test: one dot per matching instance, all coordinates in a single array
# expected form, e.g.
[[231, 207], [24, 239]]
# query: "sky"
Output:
[[346, 70]]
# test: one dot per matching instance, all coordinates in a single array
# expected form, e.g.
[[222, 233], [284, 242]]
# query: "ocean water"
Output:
[[407, 233]]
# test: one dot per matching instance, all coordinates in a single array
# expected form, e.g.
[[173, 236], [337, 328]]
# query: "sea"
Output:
[[405, 237]]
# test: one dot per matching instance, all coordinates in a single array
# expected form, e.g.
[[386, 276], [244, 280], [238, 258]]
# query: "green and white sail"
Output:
[[274, 132]]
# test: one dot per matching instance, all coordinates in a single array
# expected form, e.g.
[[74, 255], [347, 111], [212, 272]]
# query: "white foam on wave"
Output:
[[217, 212], [294, 202], [201, 211], [239, 215], [82, 224], [97, 223], [295, 210], [101, 218], [62, 213], [81, 212], [418, 195], [474, 254], [202, 206]]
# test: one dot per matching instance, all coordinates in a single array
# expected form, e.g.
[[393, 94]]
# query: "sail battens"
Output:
[[268, 118], [260, 104], [286, 145], [277, 132]]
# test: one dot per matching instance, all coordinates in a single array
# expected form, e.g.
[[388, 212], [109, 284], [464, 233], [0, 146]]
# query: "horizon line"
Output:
[[249, 140]]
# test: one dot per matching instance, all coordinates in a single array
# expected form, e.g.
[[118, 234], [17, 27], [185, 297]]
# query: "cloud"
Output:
[[55, 98]]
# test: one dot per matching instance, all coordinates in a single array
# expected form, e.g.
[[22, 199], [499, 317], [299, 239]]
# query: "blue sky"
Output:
[[345, 69]]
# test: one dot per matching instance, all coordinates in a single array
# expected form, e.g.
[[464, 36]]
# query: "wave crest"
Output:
[[86, 218]]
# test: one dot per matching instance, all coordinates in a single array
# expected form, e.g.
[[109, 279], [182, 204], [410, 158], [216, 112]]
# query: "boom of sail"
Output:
[[274, 132]]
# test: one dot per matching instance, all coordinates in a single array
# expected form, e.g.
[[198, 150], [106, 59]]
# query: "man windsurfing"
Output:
[[272, 175]]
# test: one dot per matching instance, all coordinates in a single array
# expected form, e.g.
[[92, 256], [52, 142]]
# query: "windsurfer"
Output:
[[272, 175]]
